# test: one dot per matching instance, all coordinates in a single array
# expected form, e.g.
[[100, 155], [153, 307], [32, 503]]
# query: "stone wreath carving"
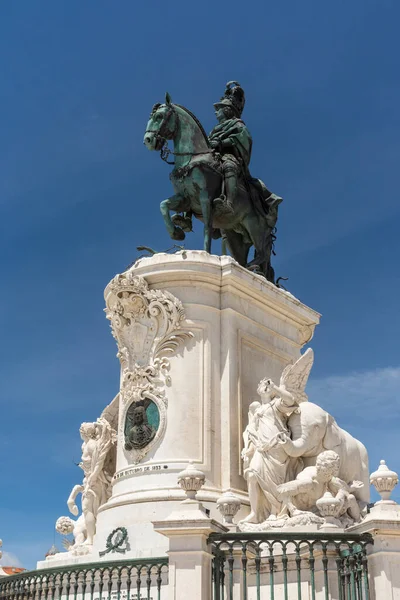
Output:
[[117, 541], [146, 325]]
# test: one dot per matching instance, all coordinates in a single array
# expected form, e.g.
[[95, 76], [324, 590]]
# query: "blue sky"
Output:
[[79, 192]]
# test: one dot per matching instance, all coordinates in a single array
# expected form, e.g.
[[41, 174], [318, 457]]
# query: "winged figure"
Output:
[[266, 463], [291, 388], [285, 437]]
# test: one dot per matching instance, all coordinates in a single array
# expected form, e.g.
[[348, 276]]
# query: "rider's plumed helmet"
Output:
[[233, 97]]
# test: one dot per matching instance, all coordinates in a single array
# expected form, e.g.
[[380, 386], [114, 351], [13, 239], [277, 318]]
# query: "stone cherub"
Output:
[[66, 525], [301, 495]]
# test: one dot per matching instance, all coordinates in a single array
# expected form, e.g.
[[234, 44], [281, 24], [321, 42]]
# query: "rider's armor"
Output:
[[232, 140], [232, 143]]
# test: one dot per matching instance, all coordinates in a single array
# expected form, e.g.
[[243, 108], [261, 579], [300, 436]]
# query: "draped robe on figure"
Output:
[[271, 465]]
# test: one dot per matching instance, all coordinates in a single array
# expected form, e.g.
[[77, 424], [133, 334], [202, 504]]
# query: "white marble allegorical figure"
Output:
[[250, 438], [311, 483], [97, 464], [285, 435], [267, 464], [313, 430]]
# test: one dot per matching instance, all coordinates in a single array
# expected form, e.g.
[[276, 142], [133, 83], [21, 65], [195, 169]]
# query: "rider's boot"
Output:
[[225, 203]]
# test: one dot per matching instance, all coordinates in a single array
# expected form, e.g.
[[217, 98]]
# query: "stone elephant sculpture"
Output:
[[313, 430]]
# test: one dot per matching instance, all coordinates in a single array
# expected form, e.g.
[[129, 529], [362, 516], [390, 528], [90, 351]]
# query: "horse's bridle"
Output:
[[160, 135]]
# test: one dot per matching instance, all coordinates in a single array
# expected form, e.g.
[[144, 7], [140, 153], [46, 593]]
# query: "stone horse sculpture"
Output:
[[197, 179]]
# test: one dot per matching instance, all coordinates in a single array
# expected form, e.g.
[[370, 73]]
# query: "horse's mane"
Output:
[[195, 119]]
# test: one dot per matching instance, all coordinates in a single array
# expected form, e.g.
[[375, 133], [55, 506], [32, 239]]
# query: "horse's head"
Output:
[[162, 125]]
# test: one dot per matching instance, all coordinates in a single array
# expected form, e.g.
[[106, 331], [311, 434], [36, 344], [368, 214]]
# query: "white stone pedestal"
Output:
[[190, 560], [383, 522], [244, 328]]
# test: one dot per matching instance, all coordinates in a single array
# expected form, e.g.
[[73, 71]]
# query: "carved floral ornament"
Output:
[[146, 325], [144, 322]]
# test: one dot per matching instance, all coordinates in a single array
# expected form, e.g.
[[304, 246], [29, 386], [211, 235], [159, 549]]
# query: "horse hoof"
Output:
[[185, 223], [256, 269], [178, 234]]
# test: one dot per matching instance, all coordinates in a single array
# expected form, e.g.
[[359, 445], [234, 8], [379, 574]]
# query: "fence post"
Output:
[[190, 557], [383, 522], [188, 528]]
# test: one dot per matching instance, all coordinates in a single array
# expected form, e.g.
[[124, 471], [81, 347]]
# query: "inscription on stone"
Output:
[[138, 470]]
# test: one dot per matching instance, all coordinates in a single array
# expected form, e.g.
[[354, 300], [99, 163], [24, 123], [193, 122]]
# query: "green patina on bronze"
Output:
[[141, 424], [212, 181]]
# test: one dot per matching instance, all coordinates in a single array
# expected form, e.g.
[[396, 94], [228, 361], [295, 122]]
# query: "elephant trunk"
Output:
[[296, 448]]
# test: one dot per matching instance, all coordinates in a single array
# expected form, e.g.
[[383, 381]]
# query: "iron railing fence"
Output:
[[290, 566], [143, 579]]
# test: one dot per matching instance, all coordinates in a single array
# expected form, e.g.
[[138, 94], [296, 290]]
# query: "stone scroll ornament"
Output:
[[146, 325]]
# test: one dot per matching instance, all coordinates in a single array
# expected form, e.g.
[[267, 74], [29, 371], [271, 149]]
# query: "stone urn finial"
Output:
[[329, 508], [228, 505], [191, 480], [384, 481]]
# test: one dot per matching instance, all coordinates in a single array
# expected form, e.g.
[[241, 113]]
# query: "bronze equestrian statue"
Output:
[[212, 182]]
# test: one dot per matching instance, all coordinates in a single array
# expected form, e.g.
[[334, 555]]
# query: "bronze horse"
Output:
[[197, 180]]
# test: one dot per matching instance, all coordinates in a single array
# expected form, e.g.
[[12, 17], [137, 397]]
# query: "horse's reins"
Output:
[[160, 135]]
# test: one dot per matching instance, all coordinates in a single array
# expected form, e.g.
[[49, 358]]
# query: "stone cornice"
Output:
[[223, 274]]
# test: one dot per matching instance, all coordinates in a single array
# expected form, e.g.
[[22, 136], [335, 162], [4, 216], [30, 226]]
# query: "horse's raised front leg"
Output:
[[179, 204]]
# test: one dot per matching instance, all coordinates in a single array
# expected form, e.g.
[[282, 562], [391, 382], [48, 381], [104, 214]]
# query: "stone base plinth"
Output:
[[383, 523], [243, 329]]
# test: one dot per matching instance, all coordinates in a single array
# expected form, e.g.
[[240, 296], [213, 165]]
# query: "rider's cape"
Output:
[[265, 202], [236, 131]]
